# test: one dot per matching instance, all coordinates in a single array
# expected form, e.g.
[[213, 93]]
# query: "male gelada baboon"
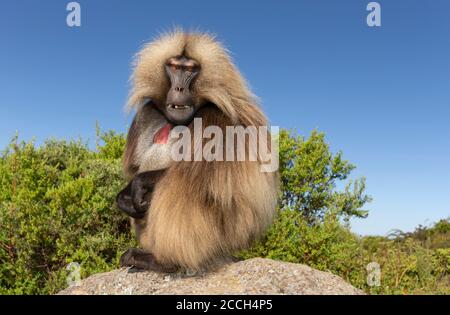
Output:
[[190, 214]]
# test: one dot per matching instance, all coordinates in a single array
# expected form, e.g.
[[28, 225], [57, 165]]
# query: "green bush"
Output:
[[406, 266], [309, 174], [57, 207], [312, 227]]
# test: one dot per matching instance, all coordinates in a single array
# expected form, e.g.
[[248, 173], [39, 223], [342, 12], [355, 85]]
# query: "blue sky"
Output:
[[382, 95]]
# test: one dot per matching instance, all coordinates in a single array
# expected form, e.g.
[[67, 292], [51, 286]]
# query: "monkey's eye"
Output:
[[174, 65]]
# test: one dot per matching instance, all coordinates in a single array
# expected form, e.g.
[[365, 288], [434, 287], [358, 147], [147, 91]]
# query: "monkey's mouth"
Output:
[[162, 135], [179, 113], [176, 106]]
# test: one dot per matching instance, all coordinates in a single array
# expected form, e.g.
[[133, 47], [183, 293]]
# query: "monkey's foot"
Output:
[[140, 259]]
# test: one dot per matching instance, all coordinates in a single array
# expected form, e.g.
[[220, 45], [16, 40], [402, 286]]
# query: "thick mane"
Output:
[[201, 211], [219, 81]]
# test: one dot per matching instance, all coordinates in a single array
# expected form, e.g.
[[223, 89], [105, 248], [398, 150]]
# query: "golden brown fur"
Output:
[[202, 211]]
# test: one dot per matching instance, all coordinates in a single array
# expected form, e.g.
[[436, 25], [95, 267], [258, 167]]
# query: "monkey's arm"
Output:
[[134, 200]]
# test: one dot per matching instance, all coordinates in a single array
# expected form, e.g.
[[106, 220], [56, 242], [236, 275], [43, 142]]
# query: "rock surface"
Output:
[[253, 276]]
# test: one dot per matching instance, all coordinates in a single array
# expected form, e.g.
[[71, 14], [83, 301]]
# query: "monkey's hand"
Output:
[[134, 200]]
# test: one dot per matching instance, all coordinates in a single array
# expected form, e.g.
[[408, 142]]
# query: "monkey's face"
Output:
[[180, 105]]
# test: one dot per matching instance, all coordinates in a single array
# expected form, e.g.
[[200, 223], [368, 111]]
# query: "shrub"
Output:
[[57, 207], [312, 227], [309, 174]]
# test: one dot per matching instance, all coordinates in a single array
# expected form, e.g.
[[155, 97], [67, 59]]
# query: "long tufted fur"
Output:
[[201, 211]]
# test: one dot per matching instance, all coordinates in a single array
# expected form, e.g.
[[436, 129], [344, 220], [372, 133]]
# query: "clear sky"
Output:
[[382, 95]]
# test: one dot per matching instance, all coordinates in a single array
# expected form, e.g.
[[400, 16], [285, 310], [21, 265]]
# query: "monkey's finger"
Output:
[[125, 203]]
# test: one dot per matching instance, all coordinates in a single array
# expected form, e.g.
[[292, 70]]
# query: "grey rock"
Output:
[[253, 276]]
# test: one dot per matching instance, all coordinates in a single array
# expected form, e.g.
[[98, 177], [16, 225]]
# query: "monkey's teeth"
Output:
[[179, 106]]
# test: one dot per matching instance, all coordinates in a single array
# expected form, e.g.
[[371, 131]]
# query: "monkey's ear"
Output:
[[139, 104], [145, 101]]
